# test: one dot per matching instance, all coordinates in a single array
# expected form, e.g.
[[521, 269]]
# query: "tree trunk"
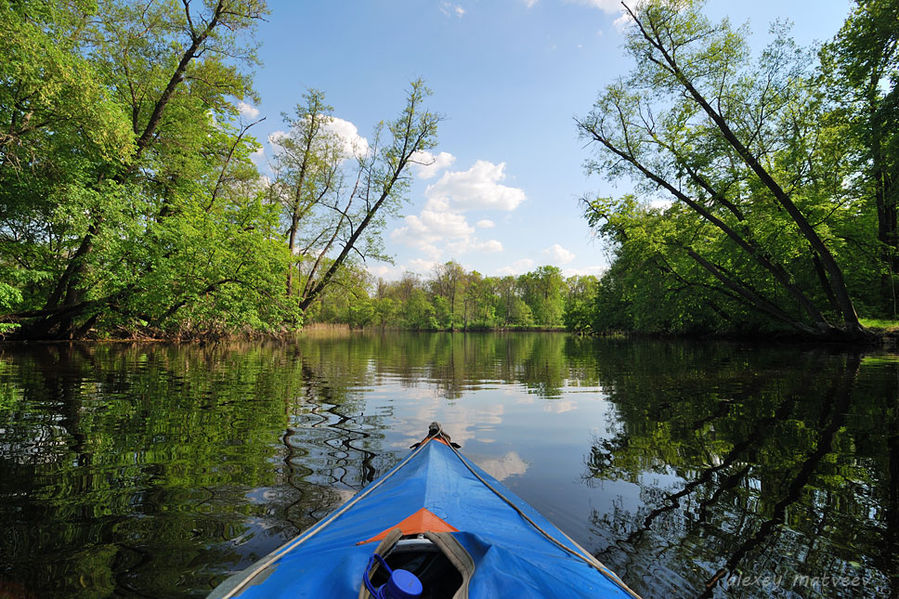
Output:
[[886, 206]]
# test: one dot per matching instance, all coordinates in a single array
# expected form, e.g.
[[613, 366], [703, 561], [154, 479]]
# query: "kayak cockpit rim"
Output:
[[455, 565]]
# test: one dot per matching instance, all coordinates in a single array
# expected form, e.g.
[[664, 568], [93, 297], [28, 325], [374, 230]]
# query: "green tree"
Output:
[[351, 219], [578, 314], [57, 117], [654, 285], [307, 171], [478, 301], [739, 147], [860, 69], [160, 210], [449, 283], [505, 299], [386, 312], [443, 313], [346, 300], [541, 290], [419, 312], [520, 313]]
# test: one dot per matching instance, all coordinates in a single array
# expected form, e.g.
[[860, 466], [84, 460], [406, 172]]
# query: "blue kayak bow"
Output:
[[439, 517]]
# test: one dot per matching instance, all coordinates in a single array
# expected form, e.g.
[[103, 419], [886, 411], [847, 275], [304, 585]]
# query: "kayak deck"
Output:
[[465, 533]]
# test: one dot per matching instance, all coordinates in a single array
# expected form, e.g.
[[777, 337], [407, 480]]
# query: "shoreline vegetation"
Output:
[[885, 337], [764, 187]]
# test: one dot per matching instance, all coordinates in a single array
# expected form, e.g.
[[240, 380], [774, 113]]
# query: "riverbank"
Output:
[[885, 335]]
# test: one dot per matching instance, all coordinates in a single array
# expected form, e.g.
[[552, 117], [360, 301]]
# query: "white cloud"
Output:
[[518, 267], [477, 188], [441, 227], [276, 136], [596, 271], [491, 245], [558, 254], [609, 6], [530, 3], [470, 244], [421, 265], [612, 7], [352, 144], [387, 272], [428, 165], [247, 110], [444, 227], [433, 225], [502, 468], [258, 157], [450, 9], [349, 141], [622, 21]]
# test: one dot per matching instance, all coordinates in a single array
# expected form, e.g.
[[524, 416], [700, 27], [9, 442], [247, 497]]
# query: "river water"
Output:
[[690, 469]]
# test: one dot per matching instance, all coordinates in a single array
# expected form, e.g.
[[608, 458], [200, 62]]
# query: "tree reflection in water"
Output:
[[763, 489], [716, 470]]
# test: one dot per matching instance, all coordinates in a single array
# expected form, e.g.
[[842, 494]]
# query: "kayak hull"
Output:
[[508, 548]]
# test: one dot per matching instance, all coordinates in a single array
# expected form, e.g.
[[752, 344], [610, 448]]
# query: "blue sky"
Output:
[[509, 76]]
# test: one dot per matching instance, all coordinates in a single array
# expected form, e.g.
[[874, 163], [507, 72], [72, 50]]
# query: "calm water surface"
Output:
[[692, 470]]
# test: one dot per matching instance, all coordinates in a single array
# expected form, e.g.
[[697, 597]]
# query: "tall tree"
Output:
[[579, 301], [345, 220], [541, 290], [56, 118], [505, 300], [153, 85], [449, 284], [738, 146], [307, 169], [109, 218], [479, 301], [860, 68]]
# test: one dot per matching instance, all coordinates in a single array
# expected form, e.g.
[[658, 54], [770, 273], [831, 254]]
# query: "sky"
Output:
[[509, 77]]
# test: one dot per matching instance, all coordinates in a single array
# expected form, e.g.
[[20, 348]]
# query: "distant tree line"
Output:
[[452, 298]]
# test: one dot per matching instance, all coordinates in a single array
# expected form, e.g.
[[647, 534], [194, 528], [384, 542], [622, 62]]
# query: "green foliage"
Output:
[[53, 98], [129, 203], [859, 71], [129, 199], [747, 216], [458, 300], [521, 314], [420, 312], [880, 323], [9, 296], [541, 290], [448, 288], [579, 313], [479, 302], [327, 220]]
